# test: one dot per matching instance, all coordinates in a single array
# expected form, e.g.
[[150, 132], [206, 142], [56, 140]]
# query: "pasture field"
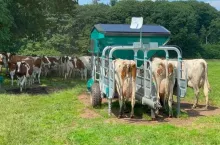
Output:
[[58, 112]]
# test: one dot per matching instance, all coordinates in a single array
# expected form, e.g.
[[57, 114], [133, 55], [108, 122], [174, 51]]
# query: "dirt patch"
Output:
[[85, 99], [87, 113], [193, 114]]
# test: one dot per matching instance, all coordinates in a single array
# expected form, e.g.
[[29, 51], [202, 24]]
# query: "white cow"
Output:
[[69, 67], [125, 80], [158, 74], [166, 88], [197, 72]]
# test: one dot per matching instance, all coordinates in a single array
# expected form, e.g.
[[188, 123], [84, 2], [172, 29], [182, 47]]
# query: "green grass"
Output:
[[55, 118]]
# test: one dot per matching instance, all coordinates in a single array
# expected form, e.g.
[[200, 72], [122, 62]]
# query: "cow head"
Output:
[[54, 61], [70, 58], [8, 56], [19, 65], [75, 59], [64, 59], [46, 61], [12, 66]]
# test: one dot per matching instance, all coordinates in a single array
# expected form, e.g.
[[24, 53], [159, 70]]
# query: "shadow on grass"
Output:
[[143, 113], [48, 85]]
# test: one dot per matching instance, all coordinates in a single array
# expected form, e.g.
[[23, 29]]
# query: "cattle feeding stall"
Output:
[[111, 41]]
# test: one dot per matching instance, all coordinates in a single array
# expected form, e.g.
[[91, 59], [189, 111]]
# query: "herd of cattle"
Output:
[[29, 69], [164, 74]]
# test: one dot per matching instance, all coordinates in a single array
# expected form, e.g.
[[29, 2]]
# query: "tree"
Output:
[[6, 22], [214, 31], [113, 2]]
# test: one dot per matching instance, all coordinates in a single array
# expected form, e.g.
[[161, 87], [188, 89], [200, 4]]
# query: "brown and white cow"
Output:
[[37, 68], [80, 66], [197, 77], [24, 70], [12, 61], [125, 80], [46, 64]]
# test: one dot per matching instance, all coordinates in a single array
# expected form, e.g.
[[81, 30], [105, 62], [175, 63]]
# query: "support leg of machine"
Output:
[[109, 106], [178, 106], [153, 114]]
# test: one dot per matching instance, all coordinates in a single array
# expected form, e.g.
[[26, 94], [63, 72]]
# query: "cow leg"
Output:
[[206, 93], [158, 96], [12, 77], [119, 90], [70, 72], [38, 76], [170, 101], [121, 111], [132, 107], [22, 82], [12, 80], [196, 92], [125, 106]]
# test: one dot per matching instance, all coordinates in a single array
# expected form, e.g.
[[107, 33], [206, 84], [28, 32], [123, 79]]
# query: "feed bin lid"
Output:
[[124, 29]]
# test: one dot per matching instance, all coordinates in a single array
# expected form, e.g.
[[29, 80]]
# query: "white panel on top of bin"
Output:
[[153, 45], [136, 22]]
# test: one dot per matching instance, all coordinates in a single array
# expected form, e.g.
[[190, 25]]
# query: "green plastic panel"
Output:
[[101, 41]]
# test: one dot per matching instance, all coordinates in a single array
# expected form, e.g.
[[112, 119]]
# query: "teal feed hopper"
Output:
[[103, 35]]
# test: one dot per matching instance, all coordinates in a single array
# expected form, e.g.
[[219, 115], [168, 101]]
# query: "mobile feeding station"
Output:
[[136, 42]]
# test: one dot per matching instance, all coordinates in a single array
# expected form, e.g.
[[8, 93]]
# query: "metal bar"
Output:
[[140, 77], [140, 59]]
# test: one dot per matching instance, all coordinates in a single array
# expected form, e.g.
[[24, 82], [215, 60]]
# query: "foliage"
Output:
[[6, 22], [65, 26], [211, 51], [38, 48]]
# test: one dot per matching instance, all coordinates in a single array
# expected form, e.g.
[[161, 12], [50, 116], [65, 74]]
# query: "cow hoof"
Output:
[[157, 112], [132, 116], [206, 108], [194, 106], [120, 116], [153, 119]]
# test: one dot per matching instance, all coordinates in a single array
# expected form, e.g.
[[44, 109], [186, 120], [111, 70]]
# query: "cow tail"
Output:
[[206, 86]]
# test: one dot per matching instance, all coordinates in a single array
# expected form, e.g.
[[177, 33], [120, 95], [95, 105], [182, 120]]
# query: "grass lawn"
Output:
[[56, 117]]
